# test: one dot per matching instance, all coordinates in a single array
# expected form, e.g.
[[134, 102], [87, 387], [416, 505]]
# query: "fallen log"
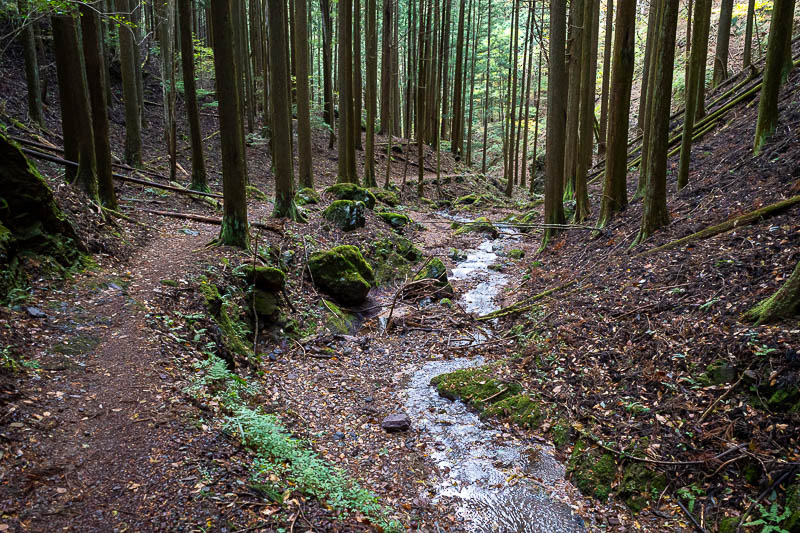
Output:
[[728, 225], [206, 220], [120, 177], [528, 304]]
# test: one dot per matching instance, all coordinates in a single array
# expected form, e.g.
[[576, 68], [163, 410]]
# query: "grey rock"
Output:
[[396, 422], [35, 312]]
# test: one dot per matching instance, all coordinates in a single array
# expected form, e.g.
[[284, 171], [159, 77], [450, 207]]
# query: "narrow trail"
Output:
[[117, 452]]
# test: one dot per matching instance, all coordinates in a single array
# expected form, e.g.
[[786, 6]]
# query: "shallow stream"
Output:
[[500, 482]]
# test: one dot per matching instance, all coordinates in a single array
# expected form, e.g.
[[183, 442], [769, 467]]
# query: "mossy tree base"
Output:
[[784, 303]]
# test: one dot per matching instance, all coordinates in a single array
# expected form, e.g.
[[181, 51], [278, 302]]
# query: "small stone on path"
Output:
[[396, 422], [35, 312]]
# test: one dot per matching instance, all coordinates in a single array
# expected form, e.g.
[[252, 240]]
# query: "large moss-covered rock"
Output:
[[479, 225], [389, 198], [267, 304], [792, 523], [347, 215], [395, 220], [306, 196], [593, 473], [435, 269], [343, 273], [267, 279], [231, 329], [337, 320], [351, 191], [31, 223], [638, 486]]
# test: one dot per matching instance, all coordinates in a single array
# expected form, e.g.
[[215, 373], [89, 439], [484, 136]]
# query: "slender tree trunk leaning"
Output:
[[723, 41], [747, 55], [445, 63], [648, 54], [615, 189], [779, 30], [785, 303], [28, 38], [304, 157], [641, 187], [76, 116], [166, 38], [421, 84], [537, 108], [601, 145], [528, 81], [199, 179], [92, 52], [556, 122], [577, 28], [328, 113], [703, 57], [133, 122], [694, 88], [655, 214], [371, 24], [234, 231], [512, 108]]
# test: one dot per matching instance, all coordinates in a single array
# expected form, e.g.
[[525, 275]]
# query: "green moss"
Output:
[[639, 486], [468, 199], [479, 225], [225, 314], [561, 433], [351, 191], [474, 386], [396, 220], [521, 409], [792, 504], [729, 524], [343, 273], [267, 304], [389, 198], [306, 196], [347, 215], [337, 320], [258, 194], [446, 302], [593, 474], [752, 472], [169, 283], [78, 345], [516, 253], [435, 269], [265, 278], [391, 258], [718, 373]]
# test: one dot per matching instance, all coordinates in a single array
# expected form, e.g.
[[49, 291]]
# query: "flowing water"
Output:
[[501, 483]]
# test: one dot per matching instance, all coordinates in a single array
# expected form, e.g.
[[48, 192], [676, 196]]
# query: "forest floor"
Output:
[[120, 424]]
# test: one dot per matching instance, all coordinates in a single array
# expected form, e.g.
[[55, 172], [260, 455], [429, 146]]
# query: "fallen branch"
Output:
[[727, 393], [207, 220], [526, 305], [743, 220]]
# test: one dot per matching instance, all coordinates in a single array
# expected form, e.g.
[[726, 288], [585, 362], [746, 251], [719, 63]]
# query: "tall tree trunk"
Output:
[[577, 28], [92, 52], [747, 56], [304, 156], [556, 122], [445, 63], [512, 107], [655, 214], [386, 66], [357, 81], [234, 229], [650, 75], [694, 87], [723, 40], [779, 31], [615, 190], [648, 54], [537, 105], [76, 116], [784, 303], [166, 38], [31, 66], [587, 118], [133, 120], [472, 85], [346, 140], [199, 179], [281, 110], [457, 133], [486, 93], [601, 145], [328, 113], [371, 24], [422, 80]]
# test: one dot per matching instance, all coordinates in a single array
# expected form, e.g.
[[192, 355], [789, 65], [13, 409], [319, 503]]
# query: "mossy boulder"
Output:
[[729, 524], [347, 215], [306, 196], [351, 191], [792, 523], [265, 278], [479, 225], [389, 198], [516, 253], [435, 270], [226, 316], [468, 199], [31, 223], [474, 386], [718, 373], [391, 257], [266, 304], [343, 273], [395, 220], [520, 409]]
